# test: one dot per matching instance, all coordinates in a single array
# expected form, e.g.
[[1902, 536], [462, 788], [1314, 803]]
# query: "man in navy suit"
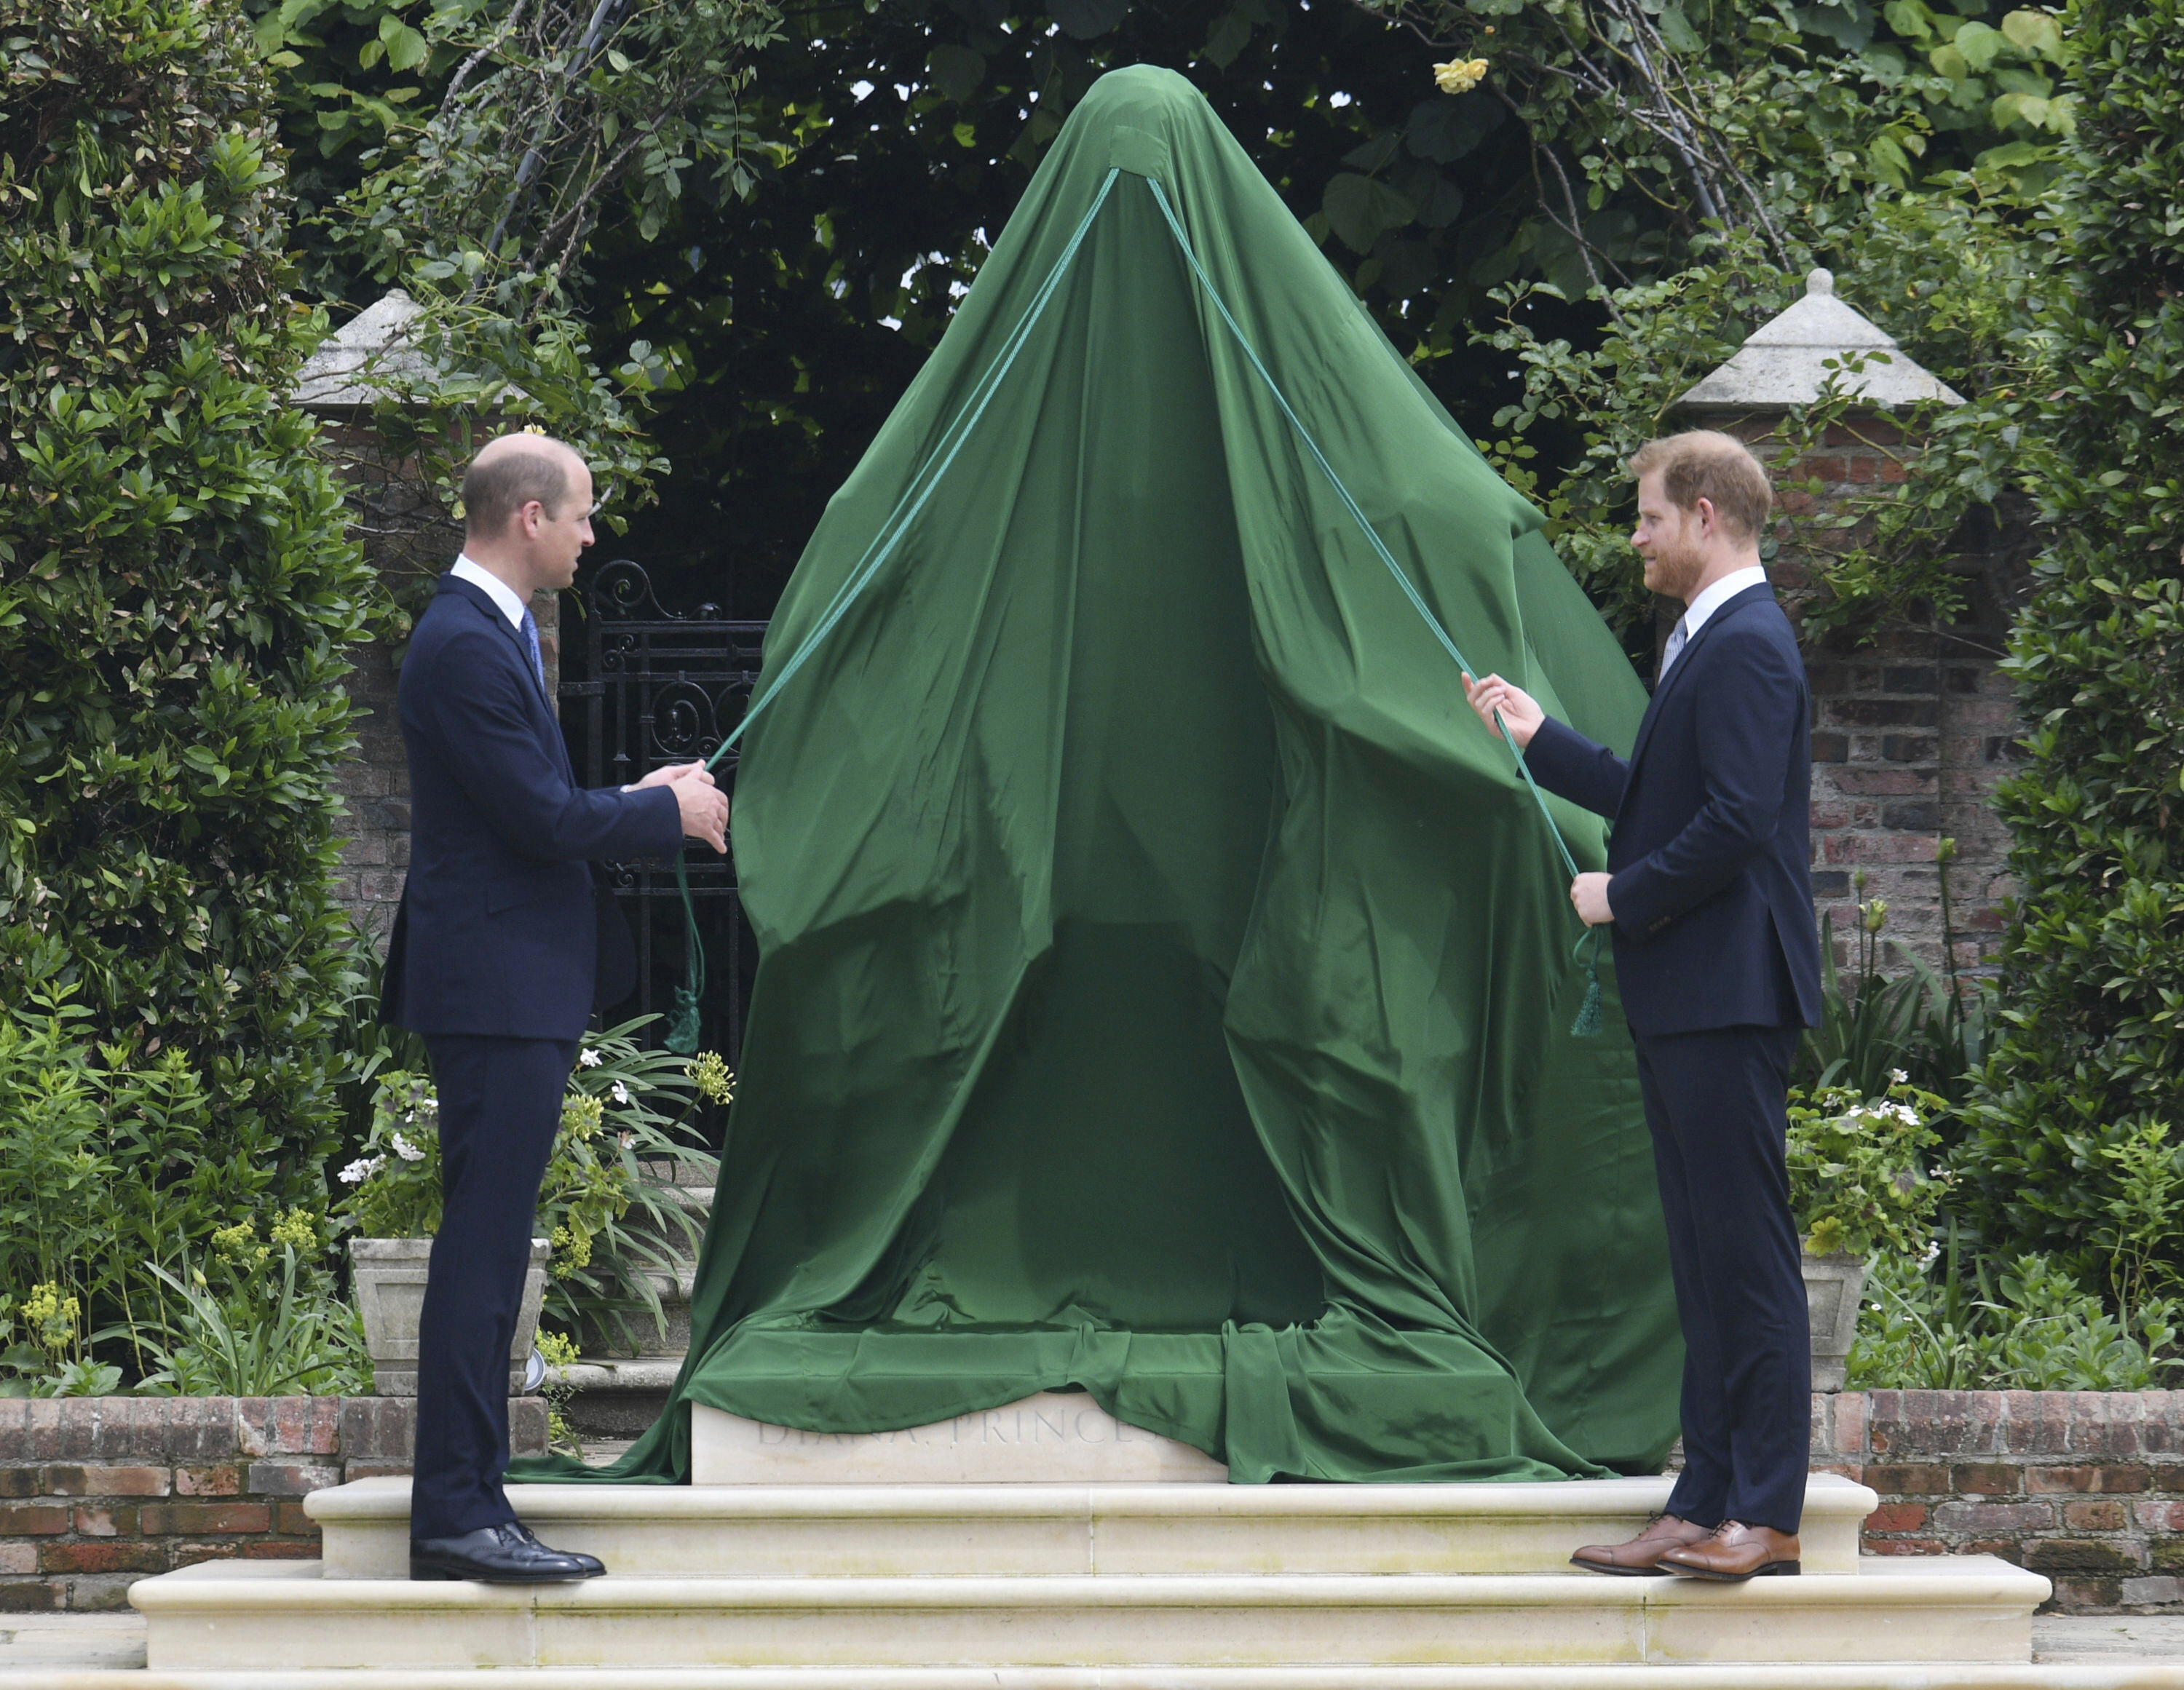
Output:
[[1709, 896], [495, 959]]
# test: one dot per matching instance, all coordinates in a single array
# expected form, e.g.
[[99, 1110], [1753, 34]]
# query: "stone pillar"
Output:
[[1914, 728]]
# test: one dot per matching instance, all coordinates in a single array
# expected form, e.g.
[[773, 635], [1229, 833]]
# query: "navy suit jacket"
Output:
[[498, 933], [1711, 852]]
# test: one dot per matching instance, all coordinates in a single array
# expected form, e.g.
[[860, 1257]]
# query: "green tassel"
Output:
[[1587, 1023], [1588, 1013], [682, 1026]]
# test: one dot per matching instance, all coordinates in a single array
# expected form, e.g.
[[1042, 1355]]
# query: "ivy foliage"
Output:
[[176, 592], [2090, 1071]]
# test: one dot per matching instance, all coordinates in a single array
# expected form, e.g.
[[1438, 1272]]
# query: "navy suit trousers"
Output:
[[1714, 1100], [500, 1105]]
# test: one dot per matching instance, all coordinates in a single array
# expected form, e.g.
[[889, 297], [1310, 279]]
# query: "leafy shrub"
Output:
[[2030, 1326], [1931, 1030], [1857, 1178], [105, 1180], [176, 590], [2089, 1060], [305, 1341], [608, 1203]]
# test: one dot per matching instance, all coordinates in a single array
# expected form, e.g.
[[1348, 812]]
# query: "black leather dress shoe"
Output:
[[498, 1554]]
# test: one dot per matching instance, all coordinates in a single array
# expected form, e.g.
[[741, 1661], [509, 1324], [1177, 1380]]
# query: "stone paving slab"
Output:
[[87, 1642]]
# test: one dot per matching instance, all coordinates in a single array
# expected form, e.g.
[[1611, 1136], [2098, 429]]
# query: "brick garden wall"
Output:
[[96, 1492], [2086, 1487]]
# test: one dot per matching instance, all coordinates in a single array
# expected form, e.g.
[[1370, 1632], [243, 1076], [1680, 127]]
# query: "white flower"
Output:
[[362, 1169], [619, 1092], [588, 1058], [1933, 1254], [407, 1151], [429, 1105], [1897, 1076]]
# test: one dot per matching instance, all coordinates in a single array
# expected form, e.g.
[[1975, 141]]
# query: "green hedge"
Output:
[[2094, 990], [177, 589]]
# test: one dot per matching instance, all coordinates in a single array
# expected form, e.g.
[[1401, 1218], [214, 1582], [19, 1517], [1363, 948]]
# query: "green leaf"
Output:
[[1909, 18], [956, 71], [1229, 35], [406, 49], [2038, 34], [1978, 43], [1083, 19], [1360, 210]]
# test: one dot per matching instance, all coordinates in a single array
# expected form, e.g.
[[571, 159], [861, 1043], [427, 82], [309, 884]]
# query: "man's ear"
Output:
[[1709, 518]]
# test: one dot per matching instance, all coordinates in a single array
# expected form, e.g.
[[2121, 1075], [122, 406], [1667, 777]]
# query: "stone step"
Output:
[[285, 1617], [2123, 1673], [987, 1531]]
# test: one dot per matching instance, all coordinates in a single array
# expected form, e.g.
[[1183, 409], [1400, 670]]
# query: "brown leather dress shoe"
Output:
[[1641, 1558], [1734, 1552]]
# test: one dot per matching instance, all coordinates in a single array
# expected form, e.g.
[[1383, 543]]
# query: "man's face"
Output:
[[1668, 537], [557, 538]]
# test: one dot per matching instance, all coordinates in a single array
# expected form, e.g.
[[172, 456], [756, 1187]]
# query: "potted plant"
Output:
[[1859, 1185], [393, 1207], [610, 1141]]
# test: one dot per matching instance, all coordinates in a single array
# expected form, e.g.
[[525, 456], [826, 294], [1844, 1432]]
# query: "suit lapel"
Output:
[[456, 584], [1682, 665]]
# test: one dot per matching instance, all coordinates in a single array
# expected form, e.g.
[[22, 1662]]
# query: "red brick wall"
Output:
[[2084, 1487], [96, 1492]]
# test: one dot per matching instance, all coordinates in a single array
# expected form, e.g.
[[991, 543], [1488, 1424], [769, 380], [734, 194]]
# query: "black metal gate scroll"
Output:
[[662, 687]]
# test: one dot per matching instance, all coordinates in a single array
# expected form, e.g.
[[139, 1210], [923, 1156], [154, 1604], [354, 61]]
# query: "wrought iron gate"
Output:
[[662, 687]]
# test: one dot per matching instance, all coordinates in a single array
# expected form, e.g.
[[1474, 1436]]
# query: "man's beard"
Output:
[[1676, 565]]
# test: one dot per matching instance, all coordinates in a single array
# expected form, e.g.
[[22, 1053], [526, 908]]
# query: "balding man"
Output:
[[1709, 898], [495, 961]]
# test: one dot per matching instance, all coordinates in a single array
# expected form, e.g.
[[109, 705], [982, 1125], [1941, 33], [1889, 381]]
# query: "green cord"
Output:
[[682, 1036], [1588, 1015]]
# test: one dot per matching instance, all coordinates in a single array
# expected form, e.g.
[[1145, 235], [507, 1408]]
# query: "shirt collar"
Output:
[[1701, 609], [492, 586]]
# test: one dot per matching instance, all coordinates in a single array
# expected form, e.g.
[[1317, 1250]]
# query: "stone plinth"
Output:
[[1055, 1437]]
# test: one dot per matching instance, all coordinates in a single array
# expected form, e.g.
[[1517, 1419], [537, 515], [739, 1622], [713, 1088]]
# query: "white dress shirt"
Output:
[[1701, 610], [498, 591]]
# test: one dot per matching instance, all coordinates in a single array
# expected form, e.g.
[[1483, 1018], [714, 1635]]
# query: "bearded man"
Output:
[[1709, 895]]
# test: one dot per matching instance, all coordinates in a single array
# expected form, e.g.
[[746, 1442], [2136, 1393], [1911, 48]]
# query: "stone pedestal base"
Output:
[[1055, 1437]]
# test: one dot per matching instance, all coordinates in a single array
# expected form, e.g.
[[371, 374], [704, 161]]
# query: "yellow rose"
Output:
[[1459, 75]]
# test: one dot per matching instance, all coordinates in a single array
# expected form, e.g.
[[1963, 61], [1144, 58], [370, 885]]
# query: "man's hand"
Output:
[[704, 805], [1520, 713], [673, 772], [1589, 893]]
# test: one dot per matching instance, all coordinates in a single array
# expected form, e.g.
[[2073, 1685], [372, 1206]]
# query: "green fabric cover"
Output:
[[1166, 981]]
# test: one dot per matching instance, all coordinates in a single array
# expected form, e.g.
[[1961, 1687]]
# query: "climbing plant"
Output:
[[2079, 1106]]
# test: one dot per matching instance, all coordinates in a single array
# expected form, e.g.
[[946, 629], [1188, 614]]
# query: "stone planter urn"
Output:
[[388, 1275], [1833, 1284]]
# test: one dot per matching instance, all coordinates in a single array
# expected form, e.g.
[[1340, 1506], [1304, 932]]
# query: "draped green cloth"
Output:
[[1166, 981]]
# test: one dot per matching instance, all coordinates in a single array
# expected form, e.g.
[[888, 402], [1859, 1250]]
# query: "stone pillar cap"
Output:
[[1784, 362], [334, 378]]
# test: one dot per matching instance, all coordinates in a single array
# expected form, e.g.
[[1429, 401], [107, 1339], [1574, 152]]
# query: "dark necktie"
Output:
[[531, 639]]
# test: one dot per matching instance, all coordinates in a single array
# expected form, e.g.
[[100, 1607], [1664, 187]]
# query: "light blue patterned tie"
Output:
[[531, 639], [1674, 650]]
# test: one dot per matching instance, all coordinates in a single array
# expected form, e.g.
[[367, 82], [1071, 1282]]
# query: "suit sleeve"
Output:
[[1571, 766], [1746, 731], [490, 743]]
